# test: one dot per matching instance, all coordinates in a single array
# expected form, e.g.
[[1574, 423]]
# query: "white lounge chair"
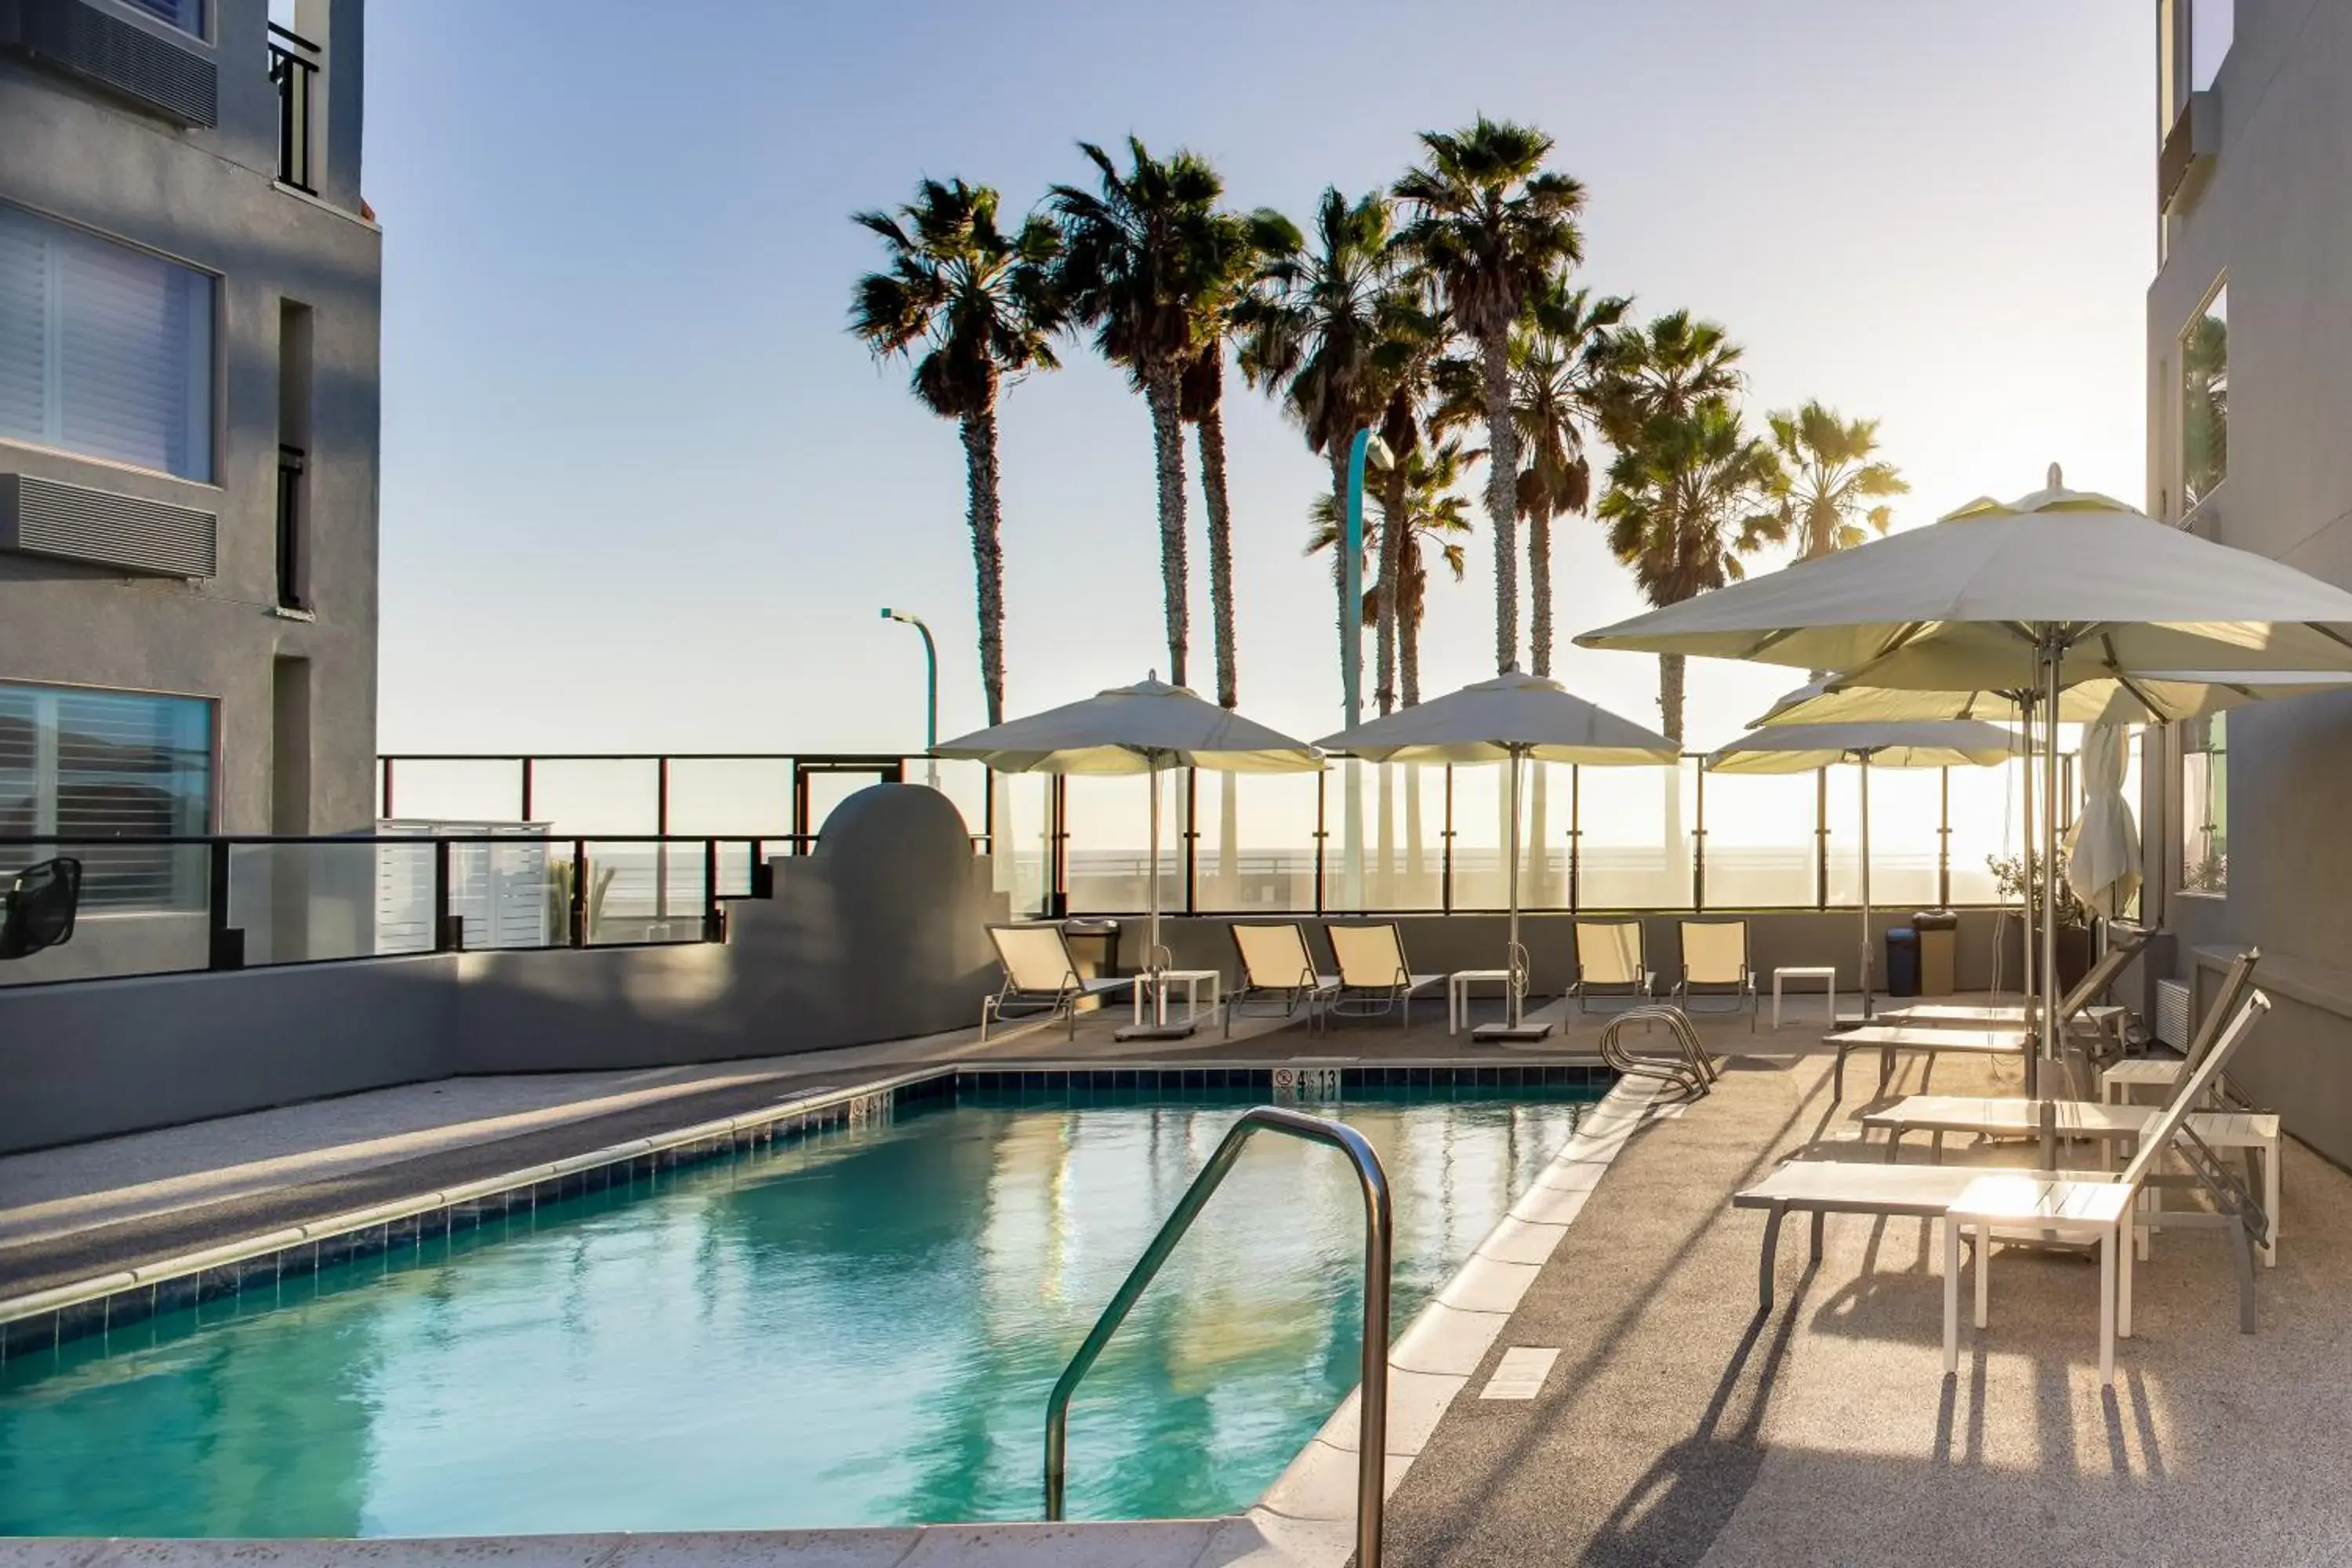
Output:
[[1823, 1187], [2080, 1008], [1714, 961], [1276, 964], [1608, 963], [2117, 1079], [1041, 978], [1920, 1039], [1374, 978]]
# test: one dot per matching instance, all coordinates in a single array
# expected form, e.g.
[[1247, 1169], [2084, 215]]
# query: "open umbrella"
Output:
[[1146, 728], [1508, 720], [1801, 748], [2159, 699], [2034, 596], [2103, 846]]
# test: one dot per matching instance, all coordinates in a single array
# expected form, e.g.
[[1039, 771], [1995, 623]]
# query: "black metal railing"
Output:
[[1694, 864], [312, 897], [294, 65]]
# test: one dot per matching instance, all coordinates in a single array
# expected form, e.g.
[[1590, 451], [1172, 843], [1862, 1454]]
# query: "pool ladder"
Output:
[[1372, 1441], [1689, 1073]]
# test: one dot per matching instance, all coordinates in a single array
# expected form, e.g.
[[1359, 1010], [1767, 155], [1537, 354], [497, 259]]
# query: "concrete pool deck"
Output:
[[1675, 1426]]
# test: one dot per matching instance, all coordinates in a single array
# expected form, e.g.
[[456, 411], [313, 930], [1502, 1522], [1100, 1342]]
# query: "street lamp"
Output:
[[932, 688]]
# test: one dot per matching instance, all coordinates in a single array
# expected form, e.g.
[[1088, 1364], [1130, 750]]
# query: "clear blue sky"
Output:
[[642, 491]]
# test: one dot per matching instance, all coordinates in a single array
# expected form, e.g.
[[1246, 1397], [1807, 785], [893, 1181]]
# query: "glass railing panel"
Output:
[[1256, 852], [1634, 848], [1761, 849]]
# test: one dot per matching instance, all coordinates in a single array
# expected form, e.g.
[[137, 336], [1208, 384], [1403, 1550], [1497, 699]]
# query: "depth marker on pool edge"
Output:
[[1521, 1373]]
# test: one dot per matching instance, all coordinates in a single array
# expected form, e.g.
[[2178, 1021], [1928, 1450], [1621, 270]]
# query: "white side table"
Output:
[[1191, 981], [1457, 992], [1821, 971]]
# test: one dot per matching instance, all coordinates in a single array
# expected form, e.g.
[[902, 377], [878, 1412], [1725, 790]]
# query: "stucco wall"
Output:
[[879, 935], [2275, 219], [209, 198]]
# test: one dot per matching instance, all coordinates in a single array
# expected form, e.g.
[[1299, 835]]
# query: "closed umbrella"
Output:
[[2103, 849], [1801, 748], [1146, 728], [1508, 720], [2034, 596]]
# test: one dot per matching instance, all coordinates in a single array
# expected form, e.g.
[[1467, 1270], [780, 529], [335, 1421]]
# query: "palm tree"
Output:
[[1310, 332], [969, 305], [1828, 475], [1662, 370], [1433, 514], [1685, 500], [1200, 399], [1560, 358], [1490, 225], [1142, 263], [1413, 330]]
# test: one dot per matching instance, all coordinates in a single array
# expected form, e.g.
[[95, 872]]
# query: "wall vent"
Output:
[[2172, 1013], [176, 80], [72, 522]]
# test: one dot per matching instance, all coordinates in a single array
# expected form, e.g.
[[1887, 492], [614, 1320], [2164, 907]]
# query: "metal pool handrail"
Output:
[[1692, 1073], [1371, 1447]]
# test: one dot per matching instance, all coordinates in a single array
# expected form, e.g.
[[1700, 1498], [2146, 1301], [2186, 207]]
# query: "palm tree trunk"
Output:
[[1670, 696], [1539, 585], [1502, 490], [1408, 643], [1167, 444], [1338, 456], [1211, 437], [980, 510], [1392, 524]]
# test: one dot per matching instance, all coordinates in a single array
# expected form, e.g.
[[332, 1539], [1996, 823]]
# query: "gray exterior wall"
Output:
[[881, 934], [2274, 216], [210, 198]]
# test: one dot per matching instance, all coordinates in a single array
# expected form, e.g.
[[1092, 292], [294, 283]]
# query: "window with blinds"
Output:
[[188, 15], [104, 349], [93, 765]]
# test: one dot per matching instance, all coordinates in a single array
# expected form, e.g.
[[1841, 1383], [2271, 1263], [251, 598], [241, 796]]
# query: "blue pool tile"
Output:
[[79, 1320], [125, 1308], [27, 1335]]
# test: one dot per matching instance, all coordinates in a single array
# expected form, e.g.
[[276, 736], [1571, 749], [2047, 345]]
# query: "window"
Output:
[[104, 349], [188, 15], [2205, 399], [2192, 37], [93, 764], [2204, 806], [293, 454]]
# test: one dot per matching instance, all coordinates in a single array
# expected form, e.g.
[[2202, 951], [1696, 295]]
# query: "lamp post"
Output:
[[932, 690]]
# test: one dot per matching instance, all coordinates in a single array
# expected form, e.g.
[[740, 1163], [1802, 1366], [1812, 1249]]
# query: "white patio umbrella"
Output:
[[2103, 847], [1146, 728], [2157, 699], [1801, 748], [2037, 594], [1508, 720]]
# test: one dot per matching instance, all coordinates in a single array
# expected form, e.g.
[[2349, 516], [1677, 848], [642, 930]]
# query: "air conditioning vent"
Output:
[[2172, 1013], [99, 527], [176, 79]]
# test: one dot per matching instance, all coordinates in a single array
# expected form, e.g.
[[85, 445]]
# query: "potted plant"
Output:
[[2073, 920]]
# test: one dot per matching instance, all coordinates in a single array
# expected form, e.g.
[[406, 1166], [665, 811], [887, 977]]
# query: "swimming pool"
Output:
[[857, 1327]]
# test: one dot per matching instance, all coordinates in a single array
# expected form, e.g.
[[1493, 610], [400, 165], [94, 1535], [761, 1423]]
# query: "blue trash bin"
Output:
[[1902, 962]]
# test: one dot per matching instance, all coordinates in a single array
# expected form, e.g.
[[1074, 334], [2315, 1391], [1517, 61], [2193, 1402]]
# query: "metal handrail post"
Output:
[[1371, 1446]]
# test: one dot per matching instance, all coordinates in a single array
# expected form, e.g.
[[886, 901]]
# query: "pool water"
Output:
[[857, 1329]]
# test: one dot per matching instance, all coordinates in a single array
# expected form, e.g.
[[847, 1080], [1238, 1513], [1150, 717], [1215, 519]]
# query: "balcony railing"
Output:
[[294, 65], [1606, 838]]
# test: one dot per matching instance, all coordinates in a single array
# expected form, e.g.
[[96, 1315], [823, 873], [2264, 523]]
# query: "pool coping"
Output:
[[42, 1319], [1309, 1512]]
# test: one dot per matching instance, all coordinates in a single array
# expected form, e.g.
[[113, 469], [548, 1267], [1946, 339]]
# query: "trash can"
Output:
[[1902, 962], [1939, 942], [1094, 946]]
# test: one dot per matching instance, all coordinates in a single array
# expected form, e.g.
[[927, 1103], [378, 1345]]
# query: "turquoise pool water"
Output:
[[859, 1329]]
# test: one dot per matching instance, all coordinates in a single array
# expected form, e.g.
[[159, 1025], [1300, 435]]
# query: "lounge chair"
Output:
[[2117, 1079], [1608, 963], [1275, 964], [1714, 961], [2080, 1006], [1041, 978], [1374, 978], [2253, 1133], [1823, 1187], [1920, 1039]]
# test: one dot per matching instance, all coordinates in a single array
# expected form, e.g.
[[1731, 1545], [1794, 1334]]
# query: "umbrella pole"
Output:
[[1511, 957], [1866, 954], [2028, 952], [2049, 658], [1152, 879]]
